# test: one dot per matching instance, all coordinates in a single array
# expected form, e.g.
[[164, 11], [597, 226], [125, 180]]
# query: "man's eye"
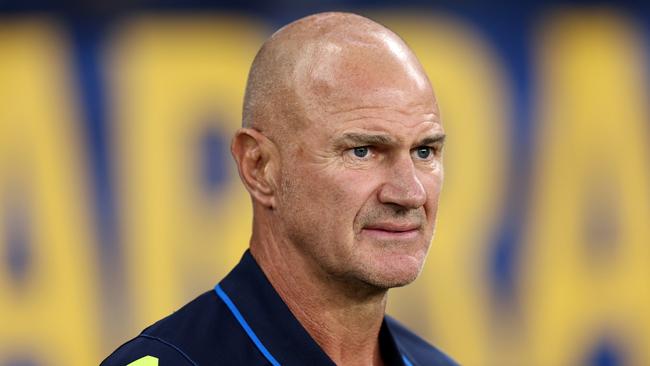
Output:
[[361, 152], [424, 152]]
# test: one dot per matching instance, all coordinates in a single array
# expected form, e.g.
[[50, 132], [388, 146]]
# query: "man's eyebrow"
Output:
[[434, 139], [362, 139]]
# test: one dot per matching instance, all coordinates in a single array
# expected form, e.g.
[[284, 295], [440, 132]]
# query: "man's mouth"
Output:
[[393, 231]]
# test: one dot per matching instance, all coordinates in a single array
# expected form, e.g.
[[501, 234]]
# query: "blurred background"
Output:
[[119, 201]]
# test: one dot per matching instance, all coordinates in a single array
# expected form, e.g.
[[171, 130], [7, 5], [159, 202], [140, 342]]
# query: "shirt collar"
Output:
[[269, 319]]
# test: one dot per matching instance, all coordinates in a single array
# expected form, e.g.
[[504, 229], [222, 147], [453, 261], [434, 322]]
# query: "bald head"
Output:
[[324, 60]]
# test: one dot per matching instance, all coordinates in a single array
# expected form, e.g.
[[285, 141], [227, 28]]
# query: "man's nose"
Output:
[[402, 186]]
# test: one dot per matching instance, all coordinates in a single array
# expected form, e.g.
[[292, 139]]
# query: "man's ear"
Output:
[[256, 159]]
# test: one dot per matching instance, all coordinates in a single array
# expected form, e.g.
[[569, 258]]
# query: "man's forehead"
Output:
[[381, 101], [364, 80], [376, 110], [356, 69]]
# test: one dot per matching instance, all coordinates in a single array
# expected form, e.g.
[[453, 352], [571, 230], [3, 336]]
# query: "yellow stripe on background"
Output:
[[586, 269], [172, 79], [50, 315]]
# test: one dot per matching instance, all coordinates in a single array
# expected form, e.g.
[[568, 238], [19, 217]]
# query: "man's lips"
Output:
[[392, 230], [393, 227]]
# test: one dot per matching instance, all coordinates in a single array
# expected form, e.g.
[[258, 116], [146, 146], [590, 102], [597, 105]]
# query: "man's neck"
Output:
[[343, 320]]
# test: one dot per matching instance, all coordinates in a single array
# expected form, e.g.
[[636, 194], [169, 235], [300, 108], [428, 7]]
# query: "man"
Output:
[[341, 151]]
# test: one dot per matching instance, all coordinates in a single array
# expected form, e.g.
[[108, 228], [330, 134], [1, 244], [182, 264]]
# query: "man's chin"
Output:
[[395, 272], [392, 281]]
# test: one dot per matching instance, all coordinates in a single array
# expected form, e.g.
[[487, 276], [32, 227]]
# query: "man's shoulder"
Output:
[[416, 348], [180, 338], [145, 350]]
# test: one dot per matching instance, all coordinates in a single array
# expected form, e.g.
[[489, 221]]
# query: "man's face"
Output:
[[360, 183]]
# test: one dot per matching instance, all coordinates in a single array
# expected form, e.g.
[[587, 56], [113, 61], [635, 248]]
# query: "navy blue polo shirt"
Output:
[[243, 321]]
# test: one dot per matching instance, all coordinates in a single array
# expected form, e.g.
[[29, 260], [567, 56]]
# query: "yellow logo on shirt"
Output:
[[145, 361]]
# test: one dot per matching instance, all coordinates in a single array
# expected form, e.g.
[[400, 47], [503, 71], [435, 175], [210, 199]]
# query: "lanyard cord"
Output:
[[244, 324]]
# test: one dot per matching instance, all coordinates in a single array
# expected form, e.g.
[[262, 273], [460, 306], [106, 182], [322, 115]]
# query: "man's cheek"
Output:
[[328, 190]]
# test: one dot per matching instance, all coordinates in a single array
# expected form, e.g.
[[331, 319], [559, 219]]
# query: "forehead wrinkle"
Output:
[[334, 111], [396, 99], [374, 114], [402, 122]]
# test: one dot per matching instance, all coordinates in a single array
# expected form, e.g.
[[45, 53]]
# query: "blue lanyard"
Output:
[[244, 324], [251, 334]]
